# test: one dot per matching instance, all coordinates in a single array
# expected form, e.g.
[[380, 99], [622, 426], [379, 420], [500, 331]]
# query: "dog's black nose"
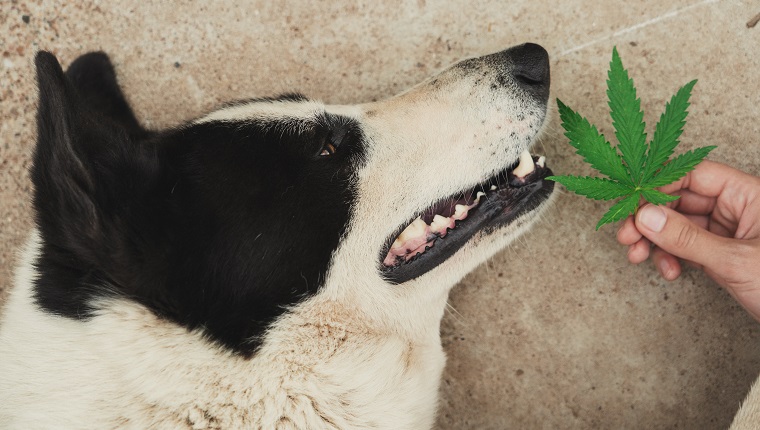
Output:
[[530, 67]]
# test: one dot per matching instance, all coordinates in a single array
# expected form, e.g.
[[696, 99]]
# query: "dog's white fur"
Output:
[[322, 366], [360, 354], [748, 417]]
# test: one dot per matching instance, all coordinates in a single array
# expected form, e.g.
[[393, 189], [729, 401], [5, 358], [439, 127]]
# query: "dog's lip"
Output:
[[513, 197]]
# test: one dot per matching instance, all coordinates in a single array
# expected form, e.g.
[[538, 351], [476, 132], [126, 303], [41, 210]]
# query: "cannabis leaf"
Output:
[[633, 168]]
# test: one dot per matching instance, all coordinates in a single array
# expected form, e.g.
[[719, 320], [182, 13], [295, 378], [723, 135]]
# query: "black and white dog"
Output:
[[277, 263]]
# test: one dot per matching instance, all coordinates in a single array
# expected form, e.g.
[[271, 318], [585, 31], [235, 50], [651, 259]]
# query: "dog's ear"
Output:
[[93, 76], [88, 171]]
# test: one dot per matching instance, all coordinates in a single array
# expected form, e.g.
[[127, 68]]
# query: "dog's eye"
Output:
[[333, 141], [328, 149]]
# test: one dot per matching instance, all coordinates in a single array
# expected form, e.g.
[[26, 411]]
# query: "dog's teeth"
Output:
[[415, 229], [460, 212], [541, 161], [418, 234], [438, 219], [526, 165], [441, 224], [419, 224]]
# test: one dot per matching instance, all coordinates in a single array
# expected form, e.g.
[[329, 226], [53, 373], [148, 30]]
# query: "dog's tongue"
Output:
[[418, 236]]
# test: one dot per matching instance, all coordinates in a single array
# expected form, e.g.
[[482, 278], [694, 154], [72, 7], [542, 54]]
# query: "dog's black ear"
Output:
[[93, 76], [87, 172]]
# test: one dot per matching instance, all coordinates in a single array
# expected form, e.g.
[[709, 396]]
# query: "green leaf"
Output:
[[591, 145], [621, 209], [667, 131], [679, 166], [657, 198], [593, 188], [638, 168], [627, 117]]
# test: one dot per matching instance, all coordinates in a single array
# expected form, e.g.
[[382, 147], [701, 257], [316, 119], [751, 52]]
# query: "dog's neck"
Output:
[[301, 369], [322, 364]]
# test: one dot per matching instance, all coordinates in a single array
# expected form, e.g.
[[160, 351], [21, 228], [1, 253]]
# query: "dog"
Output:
[[277, 263]]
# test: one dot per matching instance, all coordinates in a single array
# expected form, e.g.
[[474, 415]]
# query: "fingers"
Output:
[[698, 192], [729, 195], [668, 265], [708, 179], [713, 226], [678, 236], [693, 203], [639, 251], [700, 220], [628, 234], [638, 246]]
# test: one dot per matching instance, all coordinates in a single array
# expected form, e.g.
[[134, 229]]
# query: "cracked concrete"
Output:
[[558, 331]]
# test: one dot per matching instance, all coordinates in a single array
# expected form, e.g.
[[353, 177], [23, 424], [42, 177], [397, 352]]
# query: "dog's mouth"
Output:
[[436, 233]]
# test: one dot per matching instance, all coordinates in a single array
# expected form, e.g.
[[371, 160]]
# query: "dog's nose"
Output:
[[530, 67]]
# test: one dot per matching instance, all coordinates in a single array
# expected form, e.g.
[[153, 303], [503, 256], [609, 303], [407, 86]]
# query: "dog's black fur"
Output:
[[164, 218]]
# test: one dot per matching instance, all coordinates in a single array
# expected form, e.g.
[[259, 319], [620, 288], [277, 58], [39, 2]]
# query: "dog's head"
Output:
[[226, 222]]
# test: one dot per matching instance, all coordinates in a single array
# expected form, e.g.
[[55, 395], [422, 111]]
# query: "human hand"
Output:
[[715, 226]]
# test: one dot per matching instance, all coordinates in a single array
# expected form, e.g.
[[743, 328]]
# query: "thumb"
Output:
[[678, 236]]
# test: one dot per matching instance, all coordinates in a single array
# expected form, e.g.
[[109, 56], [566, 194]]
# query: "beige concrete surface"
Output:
[[558, 331]]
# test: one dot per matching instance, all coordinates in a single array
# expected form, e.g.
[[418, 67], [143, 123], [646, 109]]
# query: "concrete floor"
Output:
[[558, 331]]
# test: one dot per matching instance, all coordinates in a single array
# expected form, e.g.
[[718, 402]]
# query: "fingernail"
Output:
[[652, 217], [665, 269]]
